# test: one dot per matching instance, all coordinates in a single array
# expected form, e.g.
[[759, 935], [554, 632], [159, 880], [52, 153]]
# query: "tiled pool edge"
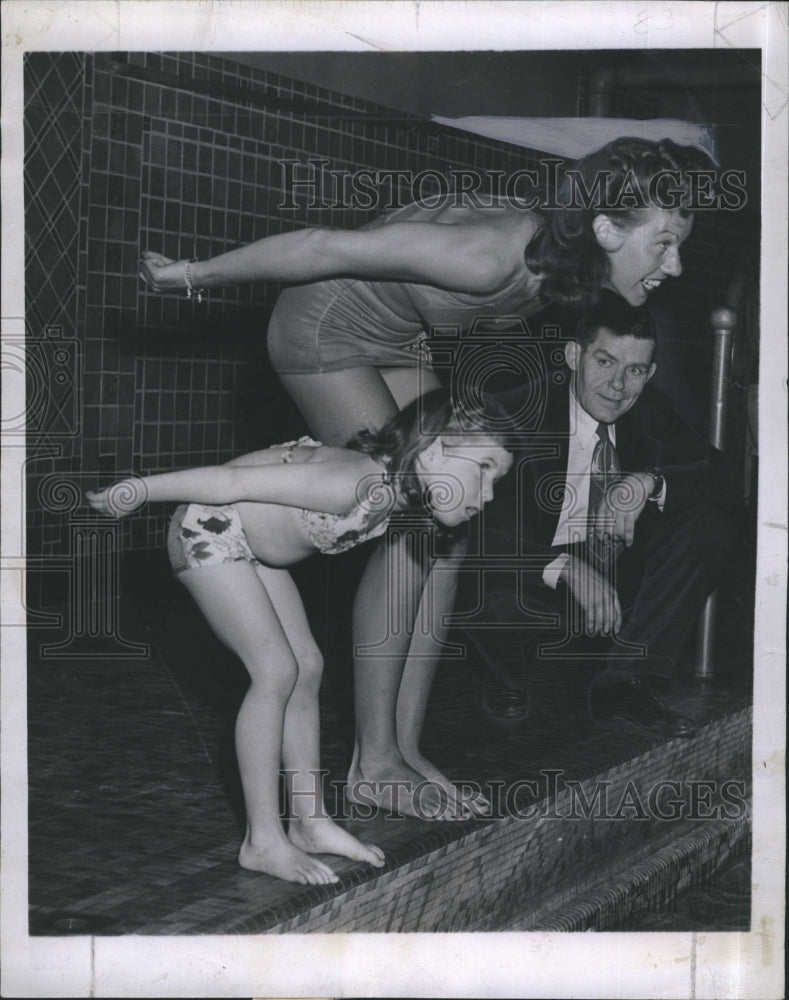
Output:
[[503, 872]]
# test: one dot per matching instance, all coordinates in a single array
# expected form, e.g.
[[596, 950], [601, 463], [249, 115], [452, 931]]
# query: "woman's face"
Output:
[[641, 258], [460, 478]]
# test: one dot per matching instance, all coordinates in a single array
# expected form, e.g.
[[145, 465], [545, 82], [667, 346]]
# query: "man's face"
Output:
[[640, 259], [610, 373]]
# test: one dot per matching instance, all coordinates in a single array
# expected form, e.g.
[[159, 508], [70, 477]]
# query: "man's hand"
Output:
[[594, 595], [615, 518]]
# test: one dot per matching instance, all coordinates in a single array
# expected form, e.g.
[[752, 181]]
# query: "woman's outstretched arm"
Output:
[[478, 257], [332, 485]]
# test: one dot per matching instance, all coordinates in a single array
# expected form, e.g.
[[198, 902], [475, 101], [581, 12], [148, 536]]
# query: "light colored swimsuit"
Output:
[[347, 322], [208, 535]]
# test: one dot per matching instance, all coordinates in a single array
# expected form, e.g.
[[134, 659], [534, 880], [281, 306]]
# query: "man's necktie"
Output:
[[603, 473]]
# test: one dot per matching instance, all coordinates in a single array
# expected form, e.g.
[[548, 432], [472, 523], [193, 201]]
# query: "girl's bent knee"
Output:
[[273, 677]]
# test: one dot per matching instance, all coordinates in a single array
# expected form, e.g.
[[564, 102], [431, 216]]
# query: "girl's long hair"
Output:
[[404, 436], [565, 250]]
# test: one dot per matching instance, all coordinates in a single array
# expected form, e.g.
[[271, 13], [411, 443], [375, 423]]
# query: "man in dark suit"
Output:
[[606, 537]]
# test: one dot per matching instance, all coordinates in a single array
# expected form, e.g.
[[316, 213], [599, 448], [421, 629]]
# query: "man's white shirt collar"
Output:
[[583, 426]]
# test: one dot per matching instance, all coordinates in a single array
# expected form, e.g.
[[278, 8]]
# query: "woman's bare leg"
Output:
[[398, 660], [236, 605], [437, 589], [438, 600], [310, 829], [336, 405], [382, 641]]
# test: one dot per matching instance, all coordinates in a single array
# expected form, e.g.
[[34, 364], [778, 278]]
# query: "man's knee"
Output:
[[699, 532]]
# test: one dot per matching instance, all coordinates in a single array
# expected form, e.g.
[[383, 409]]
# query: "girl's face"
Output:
[[459, 478], [641, 258]]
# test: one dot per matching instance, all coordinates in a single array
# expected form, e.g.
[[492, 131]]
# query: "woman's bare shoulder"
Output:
[[497, 237], [503, 219]]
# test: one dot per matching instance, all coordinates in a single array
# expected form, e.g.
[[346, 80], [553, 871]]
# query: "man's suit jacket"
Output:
[[521, 520]]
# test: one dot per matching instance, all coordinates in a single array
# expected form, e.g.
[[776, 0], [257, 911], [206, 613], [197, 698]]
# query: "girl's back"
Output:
[[280, 535]]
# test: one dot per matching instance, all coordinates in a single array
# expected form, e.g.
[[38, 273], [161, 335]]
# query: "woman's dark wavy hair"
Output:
[[565, 249], [404, 436]]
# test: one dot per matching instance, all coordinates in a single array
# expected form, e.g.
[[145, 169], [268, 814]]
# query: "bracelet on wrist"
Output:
[[191, 291]]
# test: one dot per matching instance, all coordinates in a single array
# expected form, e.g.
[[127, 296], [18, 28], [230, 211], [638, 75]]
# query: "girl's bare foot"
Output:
[[279, 857], [395, 788], [322, 836]]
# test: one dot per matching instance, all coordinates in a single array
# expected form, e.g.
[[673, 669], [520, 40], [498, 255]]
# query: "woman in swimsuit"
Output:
[[346, 341], [242, 524]]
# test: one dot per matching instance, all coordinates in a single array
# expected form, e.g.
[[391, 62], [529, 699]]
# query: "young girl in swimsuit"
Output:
[[346, 341], [243, 523]]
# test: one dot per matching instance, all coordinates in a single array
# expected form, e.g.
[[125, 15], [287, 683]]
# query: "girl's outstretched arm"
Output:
[[463, 257], [332, 485]]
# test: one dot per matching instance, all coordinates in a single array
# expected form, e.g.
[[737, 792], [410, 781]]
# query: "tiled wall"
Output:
[[180, 153], [56, 158]]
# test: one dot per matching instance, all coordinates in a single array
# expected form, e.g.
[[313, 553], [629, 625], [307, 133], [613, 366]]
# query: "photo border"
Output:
[[476, 964]]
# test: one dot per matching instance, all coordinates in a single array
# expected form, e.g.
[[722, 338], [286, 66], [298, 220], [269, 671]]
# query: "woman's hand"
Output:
[[120, 499], [162, 274]]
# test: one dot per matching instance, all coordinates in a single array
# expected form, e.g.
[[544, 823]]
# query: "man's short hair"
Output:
[[621, 319]]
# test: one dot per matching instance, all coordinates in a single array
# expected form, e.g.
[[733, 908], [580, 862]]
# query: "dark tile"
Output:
[[167, 99], [117, 158], [152, 99], [165, 438], [189, 187], [204, 195], [112, 283], [114, 218], [155, 213], [172, 216], [133, 161]]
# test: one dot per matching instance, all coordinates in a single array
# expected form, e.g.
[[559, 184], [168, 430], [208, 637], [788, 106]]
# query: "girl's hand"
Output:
[[162, 274], [119, 499]]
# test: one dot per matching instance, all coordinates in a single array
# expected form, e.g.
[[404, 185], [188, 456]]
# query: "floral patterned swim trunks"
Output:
[[208, 535], [203, 535]]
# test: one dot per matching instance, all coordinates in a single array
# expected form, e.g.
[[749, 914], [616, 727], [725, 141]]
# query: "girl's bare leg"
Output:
[[310, 829], [236, 605]]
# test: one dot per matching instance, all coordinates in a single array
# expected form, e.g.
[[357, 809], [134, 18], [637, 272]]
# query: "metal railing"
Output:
[[724, 322]]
